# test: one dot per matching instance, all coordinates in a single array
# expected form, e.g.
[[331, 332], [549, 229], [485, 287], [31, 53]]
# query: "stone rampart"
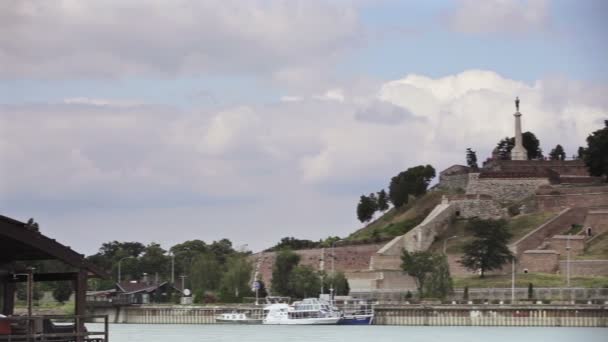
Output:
[[454, 182], [543, 261], [560, 243], [549, 198], [556, 225], [504, 189], [348, 258], [585, 268], [597, 219], [477, 206], [561, 167]]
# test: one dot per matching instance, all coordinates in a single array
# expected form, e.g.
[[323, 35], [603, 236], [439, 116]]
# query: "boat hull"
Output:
[[356, 320], [304, 321], [238, 321]]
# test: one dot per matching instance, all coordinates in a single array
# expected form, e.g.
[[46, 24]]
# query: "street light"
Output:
[[445, 242], [568, 261], [119, 261], [333, 270]]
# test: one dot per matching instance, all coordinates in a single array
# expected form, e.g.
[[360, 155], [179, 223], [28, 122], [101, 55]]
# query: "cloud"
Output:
[[499, 16], [239, 170], [79, 39]]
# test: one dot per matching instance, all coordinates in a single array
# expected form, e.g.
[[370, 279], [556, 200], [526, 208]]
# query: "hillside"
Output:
[[397, 221]]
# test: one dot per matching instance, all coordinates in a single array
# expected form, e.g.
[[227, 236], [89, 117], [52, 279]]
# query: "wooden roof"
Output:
[[20, 242]]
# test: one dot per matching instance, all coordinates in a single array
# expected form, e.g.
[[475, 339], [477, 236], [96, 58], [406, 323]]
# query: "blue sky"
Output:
[[184, 119]]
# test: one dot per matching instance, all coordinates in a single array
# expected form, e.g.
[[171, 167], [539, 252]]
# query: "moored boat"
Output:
[[237, 318], [310, 311]]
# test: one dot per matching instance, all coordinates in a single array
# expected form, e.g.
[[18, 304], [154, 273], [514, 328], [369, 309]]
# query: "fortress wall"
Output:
[[562, 167], [549, 198], [348, 258], [585, 267], [504, 189], [543, 261], [560, 242], [597, 219], [477, 207], [554, 226], [454, 182]]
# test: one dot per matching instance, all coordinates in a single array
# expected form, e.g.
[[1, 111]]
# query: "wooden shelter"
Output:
[[21, 243]]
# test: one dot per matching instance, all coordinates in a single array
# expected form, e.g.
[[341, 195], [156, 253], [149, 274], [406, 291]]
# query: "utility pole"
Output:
[[119, 262], [568, 261]]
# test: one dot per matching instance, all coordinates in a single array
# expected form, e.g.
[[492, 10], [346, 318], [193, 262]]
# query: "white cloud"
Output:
[[502, 16], [254, 159], [114, 38]]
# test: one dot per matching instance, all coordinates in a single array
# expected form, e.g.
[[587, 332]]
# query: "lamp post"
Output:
[[512, 280], [119, 262], [445, 242], [568, 261]]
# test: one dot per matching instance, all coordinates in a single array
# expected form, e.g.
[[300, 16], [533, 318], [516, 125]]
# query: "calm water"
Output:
[[260, 333]]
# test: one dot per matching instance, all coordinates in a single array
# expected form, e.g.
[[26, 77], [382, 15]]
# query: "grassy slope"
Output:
[[597, 248], [399, 221]]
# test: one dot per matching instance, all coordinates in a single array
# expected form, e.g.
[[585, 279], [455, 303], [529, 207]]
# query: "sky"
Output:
[[165, 121]]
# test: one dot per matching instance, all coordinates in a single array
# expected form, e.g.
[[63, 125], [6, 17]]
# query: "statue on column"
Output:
[[517, 103]]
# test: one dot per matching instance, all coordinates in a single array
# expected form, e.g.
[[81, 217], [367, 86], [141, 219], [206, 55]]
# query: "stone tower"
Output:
[[518, 152]]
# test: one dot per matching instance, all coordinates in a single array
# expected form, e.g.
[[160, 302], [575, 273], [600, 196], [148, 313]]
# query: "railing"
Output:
[[52, 328]]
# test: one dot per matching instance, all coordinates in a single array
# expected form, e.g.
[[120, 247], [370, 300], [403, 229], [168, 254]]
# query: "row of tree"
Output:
[[412, 182], [291, 279]]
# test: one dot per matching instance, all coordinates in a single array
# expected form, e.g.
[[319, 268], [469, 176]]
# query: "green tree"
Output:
[[284, 264], [530, 142], [488, 250], [205, 273], [382, 202], [366, 208], [472, 159], [62, 291], [580, 153], [413, 181], [596, 153], [304, 282], [235, 283], [154, 261], [439, 284], [557, 153], [419, 265], [338, 282], [222, 250]]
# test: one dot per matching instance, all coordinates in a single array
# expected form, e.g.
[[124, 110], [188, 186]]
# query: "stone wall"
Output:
[[484, 208], [348, 258], [560, 242], [562, 167], [585, 268], [454, 182], [550, 198], [557, 225], [597, 219], [504, 189], [543, 261]]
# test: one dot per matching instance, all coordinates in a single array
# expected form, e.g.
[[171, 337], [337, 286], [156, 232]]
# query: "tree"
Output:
[[154, 261], [338, 282], [382, 202], [284, 264], [580, 153], [414, 181], [222, 249], [440, 284], [557, 153], [205, 273], [530, 142], [472, 159], [304, 282], [235, 281], [62, 291], [293, 243], [488, 250], [419, 265], [596, 153], [366, 208]]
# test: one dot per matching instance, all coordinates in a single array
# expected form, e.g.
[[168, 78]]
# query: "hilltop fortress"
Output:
[[499, 189]]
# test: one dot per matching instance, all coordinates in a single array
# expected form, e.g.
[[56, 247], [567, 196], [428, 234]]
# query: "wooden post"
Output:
[[8, 299], [80, 292]]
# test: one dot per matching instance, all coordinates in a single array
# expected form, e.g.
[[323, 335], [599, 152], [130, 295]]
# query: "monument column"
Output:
[[518, 152]]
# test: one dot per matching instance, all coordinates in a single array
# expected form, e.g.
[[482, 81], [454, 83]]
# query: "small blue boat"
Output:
[[357, 319]]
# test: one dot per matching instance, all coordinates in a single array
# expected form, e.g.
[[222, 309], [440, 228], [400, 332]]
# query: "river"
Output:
[[261, 333]]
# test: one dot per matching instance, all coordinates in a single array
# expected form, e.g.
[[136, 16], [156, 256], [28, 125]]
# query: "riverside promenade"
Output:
[[539, 315]]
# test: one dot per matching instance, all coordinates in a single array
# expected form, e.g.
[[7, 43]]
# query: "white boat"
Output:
[[237, 318], [310, 311]]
